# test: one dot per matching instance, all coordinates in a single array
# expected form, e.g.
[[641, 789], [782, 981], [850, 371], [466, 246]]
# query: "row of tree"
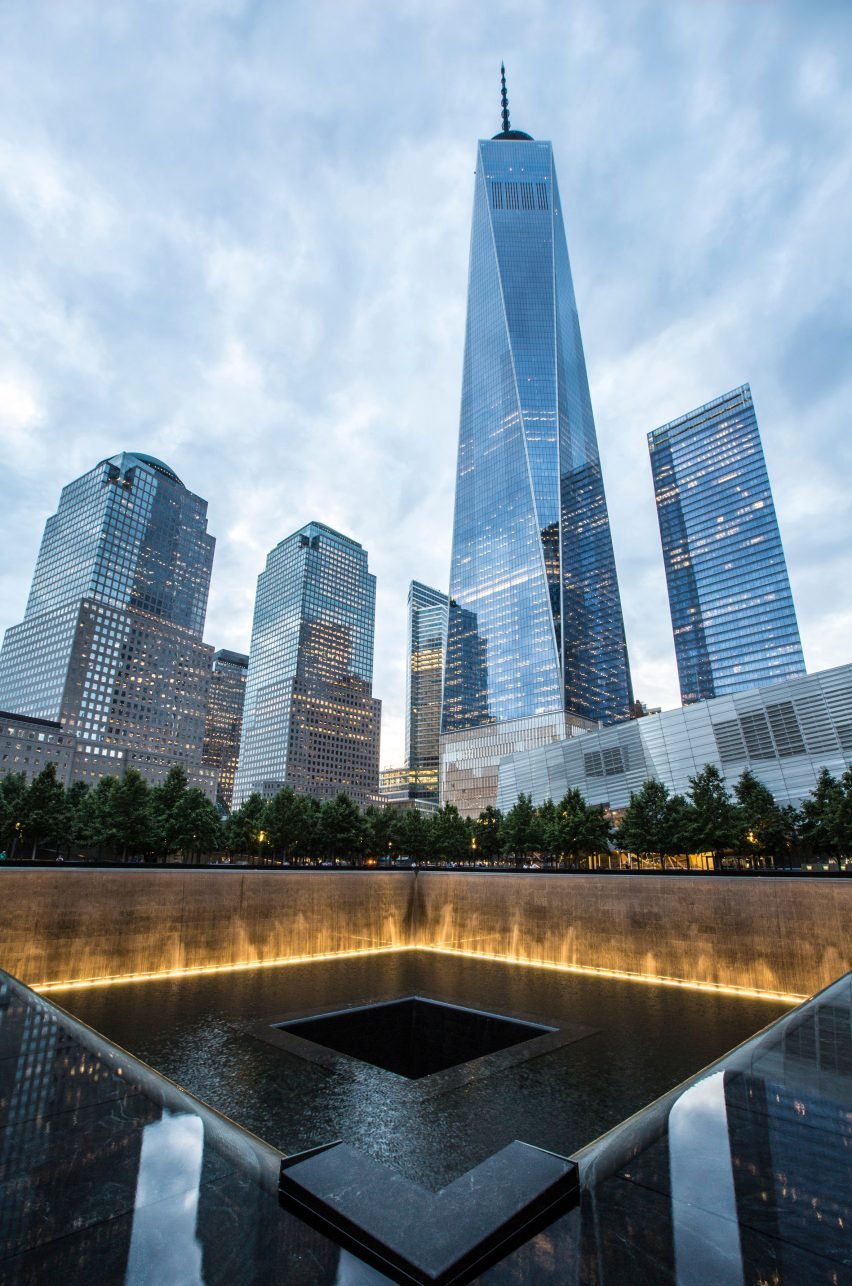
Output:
[[125, 818]]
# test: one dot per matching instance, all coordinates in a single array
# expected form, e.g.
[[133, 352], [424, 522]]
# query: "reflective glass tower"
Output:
[[732, 610], [224, 723], [427, 640], [111, 641], [535, 624], [310, 720]]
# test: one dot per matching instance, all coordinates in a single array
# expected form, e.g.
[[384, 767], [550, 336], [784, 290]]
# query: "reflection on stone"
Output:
[[163, 1244]]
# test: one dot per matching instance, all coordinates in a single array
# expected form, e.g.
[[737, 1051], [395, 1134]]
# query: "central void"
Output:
[[414, 1037]]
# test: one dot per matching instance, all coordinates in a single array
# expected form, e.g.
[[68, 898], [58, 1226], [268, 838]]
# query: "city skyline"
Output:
[[150, 297]]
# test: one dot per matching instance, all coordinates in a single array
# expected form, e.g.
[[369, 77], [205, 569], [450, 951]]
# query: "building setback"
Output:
[[536, 645], [224, 723], [110, 646], [784, 733], [310, 719], [28, 745], [732, 610]]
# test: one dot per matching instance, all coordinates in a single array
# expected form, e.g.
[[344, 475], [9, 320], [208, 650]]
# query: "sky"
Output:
[[234, 234]]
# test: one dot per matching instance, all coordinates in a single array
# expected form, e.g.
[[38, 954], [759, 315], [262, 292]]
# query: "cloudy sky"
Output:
[[234, 233]]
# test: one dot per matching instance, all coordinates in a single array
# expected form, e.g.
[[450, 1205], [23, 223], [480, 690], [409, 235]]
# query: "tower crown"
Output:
[[507, 132]]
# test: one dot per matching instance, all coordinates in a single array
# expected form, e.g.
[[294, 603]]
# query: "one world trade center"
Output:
[[536, 647]]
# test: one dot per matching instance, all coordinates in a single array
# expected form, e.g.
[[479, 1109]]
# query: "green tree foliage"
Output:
[[655, 822], [195, 825], [451, 835], [414, 835], [577, 829], [13, 794], [130, 805], [342, 829], [45, 811], [289, 823], [766, 829], [715, 824], [818, 816], [522, 830], [165, 799], [841, 822], [382, 831], [488, 834], [243, 828]]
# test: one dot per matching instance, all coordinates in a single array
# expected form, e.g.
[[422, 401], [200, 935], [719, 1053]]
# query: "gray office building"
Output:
[[110, 646], [733, 617], [224, 724], [310, 719]]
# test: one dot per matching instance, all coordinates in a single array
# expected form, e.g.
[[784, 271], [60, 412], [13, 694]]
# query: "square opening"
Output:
[[414, 1037]]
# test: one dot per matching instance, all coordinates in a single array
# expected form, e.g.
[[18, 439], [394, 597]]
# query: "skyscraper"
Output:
[[224, 723], [536, 643], [310, 720], [732, 610], [111, 641], [427, 640]]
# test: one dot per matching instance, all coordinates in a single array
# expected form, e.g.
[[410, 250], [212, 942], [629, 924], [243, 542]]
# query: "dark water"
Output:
[[647, 1039]]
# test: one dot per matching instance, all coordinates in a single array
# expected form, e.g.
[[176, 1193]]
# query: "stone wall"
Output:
[[770, 934], [77, 924]]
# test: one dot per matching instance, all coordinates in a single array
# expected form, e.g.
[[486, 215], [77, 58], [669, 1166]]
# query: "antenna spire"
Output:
[[504, 98]]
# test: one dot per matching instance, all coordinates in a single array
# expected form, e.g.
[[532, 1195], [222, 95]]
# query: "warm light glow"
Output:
[[119, 979], [787, 998], [623, 975]]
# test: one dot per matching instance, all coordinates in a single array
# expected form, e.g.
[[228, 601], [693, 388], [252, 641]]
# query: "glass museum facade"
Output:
[[111, 641], [310, 720], [732, 609]]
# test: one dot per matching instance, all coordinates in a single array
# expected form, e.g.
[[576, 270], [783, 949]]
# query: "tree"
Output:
[[382, 831], [841, 816], [131, 812], [45, 815], [414, 835], [195, 823], [714, 822], [818, 813], [655, 822], [245, 825], [521, 829], [578, 829], [488, 834], [451, 835], [765, 829], [76, 799], [164, 802], [289, 823], [342, 830], [96, 818], [13, 794]]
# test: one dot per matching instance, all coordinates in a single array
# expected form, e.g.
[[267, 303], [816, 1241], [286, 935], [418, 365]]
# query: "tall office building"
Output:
[[536, 644], [111, 644], [732, 610], [427, 641], [310, 720], [224, 723]]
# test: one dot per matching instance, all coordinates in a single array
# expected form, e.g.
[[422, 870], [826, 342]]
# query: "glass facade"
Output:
[[224, 723], [427, 641], [110, 645], [535, 621], [310, 720], [732, 610]]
